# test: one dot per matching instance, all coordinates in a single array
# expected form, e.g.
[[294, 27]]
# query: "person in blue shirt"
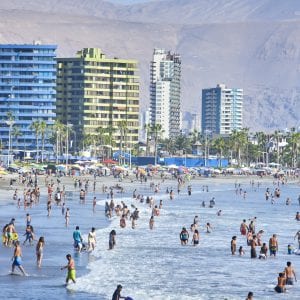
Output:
[[77, 239]]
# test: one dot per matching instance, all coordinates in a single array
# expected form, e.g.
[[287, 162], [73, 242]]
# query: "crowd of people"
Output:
[[56, 195]]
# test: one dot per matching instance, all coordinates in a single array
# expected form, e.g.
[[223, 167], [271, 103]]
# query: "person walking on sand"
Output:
[[39, 251], [17, 261], [71, 275]]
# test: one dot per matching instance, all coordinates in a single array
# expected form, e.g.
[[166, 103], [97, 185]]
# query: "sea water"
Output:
[[152, 264]]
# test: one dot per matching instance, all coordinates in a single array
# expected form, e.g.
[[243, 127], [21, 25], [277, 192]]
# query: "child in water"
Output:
[[241, 251]]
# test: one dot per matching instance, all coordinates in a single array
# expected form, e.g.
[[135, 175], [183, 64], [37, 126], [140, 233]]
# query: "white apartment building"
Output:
[[165, 74]]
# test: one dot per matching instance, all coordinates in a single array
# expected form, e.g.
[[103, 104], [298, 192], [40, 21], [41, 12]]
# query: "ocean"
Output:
[[152, 264]]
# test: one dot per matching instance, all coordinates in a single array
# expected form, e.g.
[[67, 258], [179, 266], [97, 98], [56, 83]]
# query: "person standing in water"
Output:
[[92, 239], [184, 236], [290, 274], [17, 261], [117, 293], [233, 245], [280, 287], [273, 245], [112, 239], [39, 251], [71, 275]]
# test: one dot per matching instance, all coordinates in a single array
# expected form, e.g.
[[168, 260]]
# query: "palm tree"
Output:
[[219, 144], [35, 126], [147, 128], [156, 131], [110, 130], [123, 128], [239, 141], [16, 133], [294, 146], [42, 131]]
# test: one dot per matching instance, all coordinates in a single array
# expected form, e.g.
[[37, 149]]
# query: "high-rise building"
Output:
[[222, 109], [96, 93], [27, 93], [165, 74]]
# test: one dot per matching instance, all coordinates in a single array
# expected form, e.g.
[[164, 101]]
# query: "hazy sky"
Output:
[[129, 1]]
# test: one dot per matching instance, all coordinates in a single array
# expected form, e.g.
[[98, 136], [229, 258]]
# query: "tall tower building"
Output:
[[222, 109], [165, 74], [96, 93], [27, 93]]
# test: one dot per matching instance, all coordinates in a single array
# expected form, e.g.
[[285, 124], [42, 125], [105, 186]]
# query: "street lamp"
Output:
[[69, 126], [10, 123]]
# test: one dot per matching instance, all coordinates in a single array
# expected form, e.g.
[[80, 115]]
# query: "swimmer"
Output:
[[67, 217], [273, 245], [77, 239], [280, 287], [39, 251], [297, 216], [92, 239], [117, 293], [151, 222], [290, 274], [208, 228], [17, 261], [263, 251], [112, 239], [71, 275], [196, 237], [94, 204], [233, 245], [241, 251], [184, 236], [250, 296], [244, 228]]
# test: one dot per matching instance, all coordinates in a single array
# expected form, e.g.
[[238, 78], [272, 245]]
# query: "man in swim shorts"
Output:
[[71, 275], [17, 261], [273, 245]]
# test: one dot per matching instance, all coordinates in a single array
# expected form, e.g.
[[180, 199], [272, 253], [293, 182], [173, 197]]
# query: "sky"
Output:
[[129, 1]]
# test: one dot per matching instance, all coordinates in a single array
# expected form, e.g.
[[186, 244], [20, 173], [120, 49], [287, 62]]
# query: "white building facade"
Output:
[[222, 109], [165, 74]]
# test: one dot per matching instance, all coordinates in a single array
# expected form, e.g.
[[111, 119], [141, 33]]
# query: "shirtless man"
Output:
[[71, 269], [17, 261], [253, 245], [10, 229], [273, 245], [280, 287], [290, 274]]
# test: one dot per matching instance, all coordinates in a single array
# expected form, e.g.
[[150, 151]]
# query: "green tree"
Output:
[[42, 131], [219, 145], [35, 126]]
